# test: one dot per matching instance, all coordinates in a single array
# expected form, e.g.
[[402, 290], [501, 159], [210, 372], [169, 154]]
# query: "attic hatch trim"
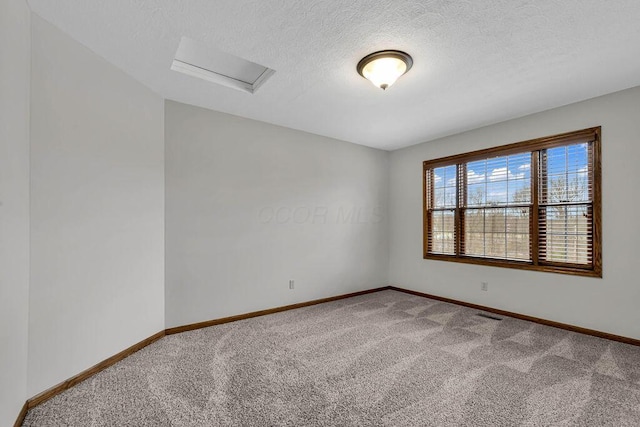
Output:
[[198, 60], [221, 79]]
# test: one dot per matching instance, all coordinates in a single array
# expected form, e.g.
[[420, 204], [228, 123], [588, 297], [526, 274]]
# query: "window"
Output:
[[532, 205]]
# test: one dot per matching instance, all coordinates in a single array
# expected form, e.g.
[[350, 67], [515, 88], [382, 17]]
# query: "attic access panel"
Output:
[[197, 60]]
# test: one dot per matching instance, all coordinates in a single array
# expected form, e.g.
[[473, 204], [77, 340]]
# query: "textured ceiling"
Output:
[[475, 62]]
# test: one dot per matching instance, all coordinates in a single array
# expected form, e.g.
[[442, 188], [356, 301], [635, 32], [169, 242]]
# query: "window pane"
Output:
[[476, 194], [497, 169], [438, 198], [518, 247], [518, 220], [567, 174], [450, 196], [476, 172], [474, 232], [495, 245], [494, 221], [517, 234], [474, 244], [567, 234], [501, 233], [519, 192], [496, 193], [444, 185], [443, 232], [499, 181], [495, 227], [566, 228]]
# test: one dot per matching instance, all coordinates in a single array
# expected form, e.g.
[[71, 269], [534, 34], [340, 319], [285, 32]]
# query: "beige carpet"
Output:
[[383, 359]]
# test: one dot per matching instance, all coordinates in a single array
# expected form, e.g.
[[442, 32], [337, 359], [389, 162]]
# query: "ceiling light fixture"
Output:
[[383, 68]]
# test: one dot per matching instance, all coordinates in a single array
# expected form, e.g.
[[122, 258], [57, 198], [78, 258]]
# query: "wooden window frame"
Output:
[[592, 135]]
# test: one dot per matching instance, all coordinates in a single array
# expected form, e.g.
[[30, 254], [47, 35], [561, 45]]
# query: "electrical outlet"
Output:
[[484, 286], [291, 284]]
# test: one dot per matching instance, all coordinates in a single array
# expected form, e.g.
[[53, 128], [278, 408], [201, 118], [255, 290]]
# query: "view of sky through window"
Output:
[[507, 179]]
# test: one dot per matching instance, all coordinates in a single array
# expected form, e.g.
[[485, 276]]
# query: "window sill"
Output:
[[520, 265]]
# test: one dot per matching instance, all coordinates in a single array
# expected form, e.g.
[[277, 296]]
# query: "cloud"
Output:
[[473, 177], [502, 174], [524, 167], [437, 177]]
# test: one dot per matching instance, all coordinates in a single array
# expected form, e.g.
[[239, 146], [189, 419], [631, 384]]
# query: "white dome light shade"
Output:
[[385, 67]]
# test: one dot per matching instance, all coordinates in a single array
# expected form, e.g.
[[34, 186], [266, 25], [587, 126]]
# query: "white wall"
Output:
[[14, 205], [250, 206], [97, 206], [609, 304]]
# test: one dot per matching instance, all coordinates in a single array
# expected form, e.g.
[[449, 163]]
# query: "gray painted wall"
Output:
[[609, 304], [250, 206], [97, 209], [14, 205]]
